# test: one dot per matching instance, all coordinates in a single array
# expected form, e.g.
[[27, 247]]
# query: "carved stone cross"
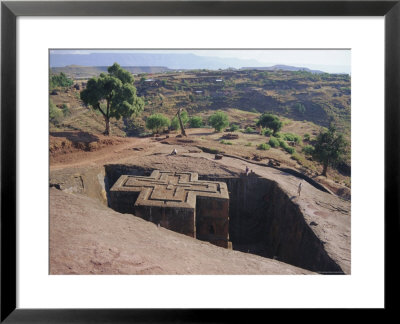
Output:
[[177, 201]]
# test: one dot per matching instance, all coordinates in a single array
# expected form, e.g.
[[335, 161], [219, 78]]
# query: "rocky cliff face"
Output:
[[265, 221]]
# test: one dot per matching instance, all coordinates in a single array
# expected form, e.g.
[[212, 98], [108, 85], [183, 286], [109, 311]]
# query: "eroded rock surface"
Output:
[[88, 238]]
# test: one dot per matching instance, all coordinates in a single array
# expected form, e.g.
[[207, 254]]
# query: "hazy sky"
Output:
[[327, 60]]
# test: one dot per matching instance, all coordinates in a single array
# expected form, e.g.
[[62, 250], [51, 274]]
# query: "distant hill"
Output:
[[85, 72], [283, 68], [171, 61]]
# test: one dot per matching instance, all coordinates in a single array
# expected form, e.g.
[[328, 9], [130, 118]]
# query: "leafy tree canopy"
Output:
[[270, 121], [219, 120], [117, 91], [60, 80], [157, 122], [195, 122], [330, 148]]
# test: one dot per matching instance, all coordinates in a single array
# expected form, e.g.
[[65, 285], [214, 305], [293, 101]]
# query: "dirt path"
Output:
[[99, 157]]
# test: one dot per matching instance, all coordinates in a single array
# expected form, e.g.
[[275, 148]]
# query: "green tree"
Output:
[[117, 91], [195, 122], [157, 123], [60, 80], [175, 121], [330, 148], [219, 120], [271, 121]]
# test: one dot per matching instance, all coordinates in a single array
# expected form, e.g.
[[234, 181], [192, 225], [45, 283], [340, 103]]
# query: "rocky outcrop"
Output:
[[86, 237]]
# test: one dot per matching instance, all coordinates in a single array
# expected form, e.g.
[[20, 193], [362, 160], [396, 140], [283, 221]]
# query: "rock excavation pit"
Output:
[[262, 218], [177, 201]]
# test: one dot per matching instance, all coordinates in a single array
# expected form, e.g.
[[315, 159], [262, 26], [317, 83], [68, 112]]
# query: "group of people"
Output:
[[248, 171]]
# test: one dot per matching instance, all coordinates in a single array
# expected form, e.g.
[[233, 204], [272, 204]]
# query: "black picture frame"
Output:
[[10, 10]]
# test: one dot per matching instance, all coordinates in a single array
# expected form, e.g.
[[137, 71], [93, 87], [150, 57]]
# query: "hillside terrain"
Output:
[[274, 229], [325, 97], [305, 102]]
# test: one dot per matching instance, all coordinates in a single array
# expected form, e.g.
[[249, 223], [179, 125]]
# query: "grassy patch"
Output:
[[225, 142], [263, 147]]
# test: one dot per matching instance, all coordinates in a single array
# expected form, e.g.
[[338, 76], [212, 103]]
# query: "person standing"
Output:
[[299, 189]]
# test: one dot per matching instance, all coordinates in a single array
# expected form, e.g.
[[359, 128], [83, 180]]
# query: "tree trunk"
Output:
[[107, 118], [180, 122], [325, 169], [107, 131]]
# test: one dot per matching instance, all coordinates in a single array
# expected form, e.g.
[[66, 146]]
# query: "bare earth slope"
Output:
[[89, 238]]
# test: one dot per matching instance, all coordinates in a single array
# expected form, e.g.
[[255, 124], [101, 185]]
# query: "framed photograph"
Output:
[[163, 159]]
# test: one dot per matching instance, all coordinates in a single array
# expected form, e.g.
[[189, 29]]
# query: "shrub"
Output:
[[55, 114], [60, 80], [291, 137], [254, 110], [195, 122], [234, 127], [270, 121], [249, 130], [157, 122], [274, 142], [306, 137], [289, 149], [267, 131], [283, 143], [66, 110], [219, 120], [308, 149], [225, 142], [286, 147], [248, 144], [263, 146]]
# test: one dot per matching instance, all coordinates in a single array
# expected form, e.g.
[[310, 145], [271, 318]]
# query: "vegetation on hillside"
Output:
[[175, 125], [60, 80], [157, 123], [330, 148], [277, 114], [219, 120], [117, 91], [270, 121]]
